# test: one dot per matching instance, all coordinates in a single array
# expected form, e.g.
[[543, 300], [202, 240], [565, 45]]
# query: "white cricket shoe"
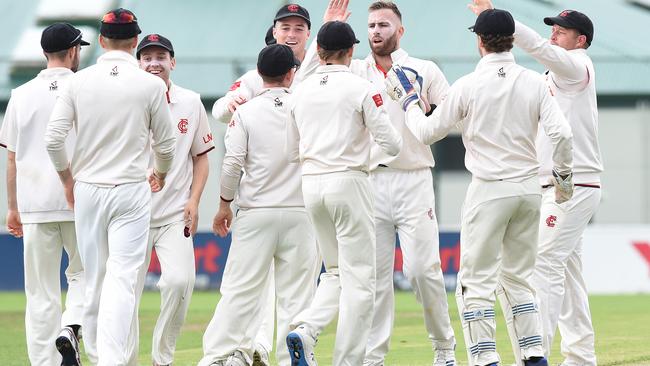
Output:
[[301, 347], [68, 346], [236, 359], [445, 358], [260, 356]]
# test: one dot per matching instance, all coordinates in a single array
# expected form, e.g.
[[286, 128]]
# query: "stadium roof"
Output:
[[216, 41]]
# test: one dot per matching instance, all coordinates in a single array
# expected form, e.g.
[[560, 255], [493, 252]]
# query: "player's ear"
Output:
[[400, 31], [173, 63]]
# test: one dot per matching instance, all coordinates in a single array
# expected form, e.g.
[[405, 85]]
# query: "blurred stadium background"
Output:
[[217, 41]]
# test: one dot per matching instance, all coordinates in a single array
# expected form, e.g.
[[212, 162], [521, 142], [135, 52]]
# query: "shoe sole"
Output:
[[67, 351], [296, 350]]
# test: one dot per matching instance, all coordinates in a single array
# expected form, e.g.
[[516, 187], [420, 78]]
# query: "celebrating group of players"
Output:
[[328, 159]]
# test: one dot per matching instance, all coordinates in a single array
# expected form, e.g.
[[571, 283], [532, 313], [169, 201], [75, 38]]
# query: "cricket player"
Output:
[[333, 117], [37, 208], [404, 198], [116, 109], [558, 276], [291, 27], [174, 210], [272, 226], [499, 107]]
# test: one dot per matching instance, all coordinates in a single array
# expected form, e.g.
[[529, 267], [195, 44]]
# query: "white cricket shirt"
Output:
[[254, 141], [500, 106], [333, 114], [193, 138], [250, 84], [572, 80], [38, 189], [113, 107], [414, 154]]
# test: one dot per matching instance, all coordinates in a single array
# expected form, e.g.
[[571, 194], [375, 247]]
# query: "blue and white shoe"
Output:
[[536, 361], [445, 358], [301, 347]]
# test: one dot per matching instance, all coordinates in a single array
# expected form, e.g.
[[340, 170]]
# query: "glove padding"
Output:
[[403, 85], [563, 187]]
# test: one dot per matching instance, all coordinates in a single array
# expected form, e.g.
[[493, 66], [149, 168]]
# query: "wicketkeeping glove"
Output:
[[563, 187], [400, 88]]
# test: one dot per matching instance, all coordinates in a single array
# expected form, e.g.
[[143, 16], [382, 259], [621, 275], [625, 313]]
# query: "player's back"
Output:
[[329, 112], [39, 192], [504, 105], [268, 179], [115, 104]]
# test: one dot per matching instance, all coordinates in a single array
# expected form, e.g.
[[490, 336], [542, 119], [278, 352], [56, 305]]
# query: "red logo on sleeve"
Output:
[[235, 85], [378, 101], [550, 220]]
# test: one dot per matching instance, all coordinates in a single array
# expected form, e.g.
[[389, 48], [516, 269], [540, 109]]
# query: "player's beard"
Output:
[[388, 46]]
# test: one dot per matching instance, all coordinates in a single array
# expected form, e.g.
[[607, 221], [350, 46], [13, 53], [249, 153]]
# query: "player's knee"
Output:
[[419, 272], [177, 282]]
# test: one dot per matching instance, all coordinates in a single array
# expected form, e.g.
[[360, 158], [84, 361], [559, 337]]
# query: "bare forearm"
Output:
[[65, 176], [12, 202], [201, 170]]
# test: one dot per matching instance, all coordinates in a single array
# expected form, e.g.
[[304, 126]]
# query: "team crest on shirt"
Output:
[[278, 102], [430, 213], [54, 86], [182, 125], [114, 71], [323, 81], [501, 73], [550, 220], [377, 99]]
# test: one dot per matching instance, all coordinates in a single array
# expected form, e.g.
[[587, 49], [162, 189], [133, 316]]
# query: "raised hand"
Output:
[[478, 6], [337, 10]]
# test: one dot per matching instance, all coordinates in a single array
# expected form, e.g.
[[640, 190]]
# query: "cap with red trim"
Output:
[[154, 40], [574, 20], [293, 10], [119, 24]]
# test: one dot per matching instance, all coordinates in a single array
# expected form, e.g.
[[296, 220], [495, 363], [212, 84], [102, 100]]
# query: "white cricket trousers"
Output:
[[405, 202], [558, 277], [340, 206], [261, 237], [43, 246], [498, 246], [112, 231], [175, 253]]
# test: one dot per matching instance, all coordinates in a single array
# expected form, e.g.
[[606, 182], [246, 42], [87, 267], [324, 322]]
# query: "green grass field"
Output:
[[622, 326]]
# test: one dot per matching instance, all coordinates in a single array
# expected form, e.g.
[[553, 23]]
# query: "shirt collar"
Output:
[[278, 90], [118, 56], [172, 93], [492, 58], [398, 57], [332, 68], [54, 72]]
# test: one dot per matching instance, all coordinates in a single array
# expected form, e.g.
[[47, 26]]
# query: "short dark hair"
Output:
[[497, 42], [326, 55], [58, 55], [378, 5]]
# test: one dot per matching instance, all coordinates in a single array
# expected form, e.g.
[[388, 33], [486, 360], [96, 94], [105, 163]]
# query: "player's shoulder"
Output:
[[186, 95]]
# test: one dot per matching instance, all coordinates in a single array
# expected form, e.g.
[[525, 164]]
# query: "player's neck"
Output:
[[301, 55], [385, 62]]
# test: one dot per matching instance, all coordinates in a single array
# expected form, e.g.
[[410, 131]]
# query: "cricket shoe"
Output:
[[68, 346], [260, 356], [301, 347], [445, 357], [536, 361], [236, 359]]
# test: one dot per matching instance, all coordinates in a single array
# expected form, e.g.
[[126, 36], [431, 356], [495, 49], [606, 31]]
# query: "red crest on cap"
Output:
[[564, 13], [118, 18], [153, 38], [293, 8]]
